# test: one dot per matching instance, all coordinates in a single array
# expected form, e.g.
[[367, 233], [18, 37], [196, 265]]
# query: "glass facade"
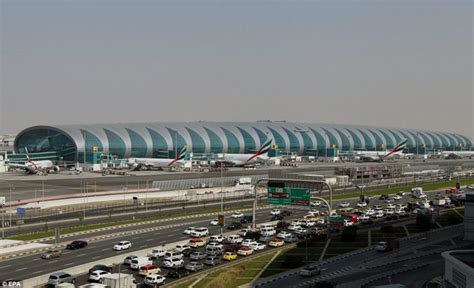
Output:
[[126, 141]]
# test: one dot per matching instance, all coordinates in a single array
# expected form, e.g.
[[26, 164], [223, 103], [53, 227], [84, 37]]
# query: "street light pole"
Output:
[[222, 196]]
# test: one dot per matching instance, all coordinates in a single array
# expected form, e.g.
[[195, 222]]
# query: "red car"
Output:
[[452, 190], [286, 213]]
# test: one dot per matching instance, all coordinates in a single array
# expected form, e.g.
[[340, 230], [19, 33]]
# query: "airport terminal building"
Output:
[[72, 142]]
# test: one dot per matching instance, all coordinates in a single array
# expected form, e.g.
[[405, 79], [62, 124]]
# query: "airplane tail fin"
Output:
[[28, 158], [182, 153], [400, 147], [264, 148]]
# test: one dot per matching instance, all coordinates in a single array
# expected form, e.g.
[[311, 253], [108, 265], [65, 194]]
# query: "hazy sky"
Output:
[[393, 63]]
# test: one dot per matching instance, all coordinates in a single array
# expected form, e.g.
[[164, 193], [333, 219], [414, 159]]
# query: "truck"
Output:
[[119, 280], [417, 192], [243, 181]]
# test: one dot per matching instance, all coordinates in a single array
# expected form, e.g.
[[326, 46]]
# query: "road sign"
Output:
[[288, 196], [221, 220], [20, 212]]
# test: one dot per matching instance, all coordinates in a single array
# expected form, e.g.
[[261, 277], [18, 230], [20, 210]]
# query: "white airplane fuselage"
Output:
[[149, 163]]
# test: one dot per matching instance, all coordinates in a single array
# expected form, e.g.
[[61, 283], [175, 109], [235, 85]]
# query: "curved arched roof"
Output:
[[144, 139]]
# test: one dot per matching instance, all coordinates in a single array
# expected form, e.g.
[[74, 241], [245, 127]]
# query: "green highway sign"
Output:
[[288, 196]]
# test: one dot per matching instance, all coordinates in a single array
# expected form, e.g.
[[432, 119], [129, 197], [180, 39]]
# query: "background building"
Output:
[[163, 139]]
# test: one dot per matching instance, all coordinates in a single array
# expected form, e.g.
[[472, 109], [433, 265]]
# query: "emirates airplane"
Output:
[[150, 163], [36, 167], [239, 160]]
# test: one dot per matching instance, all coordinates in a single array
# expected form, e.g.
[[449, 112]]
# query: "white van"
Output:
[[139, 262], [173, 254], [265, 225], [268, 231]]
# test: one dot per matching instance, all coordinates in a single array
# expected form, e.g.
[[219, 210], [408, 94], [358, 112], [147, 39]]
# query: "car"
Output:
[[182, 247], [244, 231], [199, 232], [148, 269], [76, 244], [283, 234], [265, 238], [156, 253], [188, 230], [276, 242], [277, 217], [194, 266], [361, 204], [286, 213], [197, 242], [216, 238], [370, 212], [348, 223], [51, 254], [172, 262], [397, 197], [382, 246], [154, 279], [293, 227], [60, 277], [212, 261], [451, 190], [128, 259], [383, 197], [215, 245], [237, 215], [214, 222], [310, 270], [275, 212], [344, 204], [100, 267], [391, 206], [471, 187], [234, 239], [367, 222], [197, 255], [177, 273], [232, 248], [245, 250], [378, 214], [388, 211], [122, 245], [258, 246], [290, 238], [248, 242], [301, 230], [402, 193], [389, 200], [98, 275], [315, 203], [364, 217], [229, 256], [234, 226], [246, 219]]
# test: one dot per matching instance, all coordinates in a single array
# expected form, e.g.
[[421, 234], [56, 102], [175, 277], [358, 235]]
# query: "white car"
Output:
[[237, 215], [471, 187], [258, 246], [122, 245], [128, 259], [181, 247], [216, 238], [297, 222], [214, 222], [361, 204], [235, 239], [172, 262], [388, 211], [98, 275], [154, 279], [293, 227], [348, 223], [315, 203], [397, 197], [301, 230], [189, 230], [283, 234], [391, 206], [199, 232], [244, 231], [215, 245], [157, 253], [364, 217], [248, 242], [379, 214], [370, 212], [400, 212], [344, 204], [401, 206], [275, 212]]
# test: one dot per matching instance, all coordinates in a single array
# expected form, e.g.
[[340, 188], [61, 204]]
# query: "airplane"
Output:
[[377, 156], [245, 160], [150, 163], [36, 167]]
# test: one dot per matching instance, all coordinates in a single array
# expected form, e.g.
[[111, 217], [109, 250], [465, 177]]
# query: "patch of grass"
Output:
[[185, 284]]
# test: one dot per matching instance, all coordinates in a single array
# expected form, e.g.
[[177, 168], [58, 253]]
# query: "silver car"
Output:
[[212, 260], [194, 266], [60, 277], [197, 255]]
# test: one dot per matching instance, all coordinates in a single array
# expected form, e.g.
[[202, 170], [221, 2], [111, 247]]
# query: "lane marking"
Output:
[[80, 255], [96, 257], [72, 263], [105, 249], [5, 266], [37, 272], [149, 240], [53, 261], [21, 269]]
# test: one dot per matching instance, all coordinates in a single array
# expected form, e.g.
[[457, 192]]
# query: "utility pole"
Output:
[[222, 196]]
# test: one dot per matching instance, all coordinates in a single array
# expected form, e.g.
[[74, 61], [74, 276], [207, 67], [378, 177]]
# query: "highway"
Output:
[[29, 266]]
